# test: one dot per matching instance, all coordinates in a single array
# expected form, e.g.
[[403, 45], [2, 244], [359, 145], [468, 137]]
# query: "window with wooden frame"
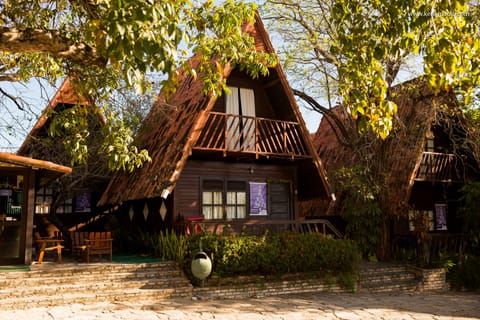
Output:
[[421, 219], [224, 199], [212, 199], [44, 199]]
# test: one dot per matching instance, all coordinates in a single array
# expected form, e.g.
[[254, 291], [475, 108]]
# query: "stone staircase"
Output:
[[52, 284], [60, 284], [382, 277]]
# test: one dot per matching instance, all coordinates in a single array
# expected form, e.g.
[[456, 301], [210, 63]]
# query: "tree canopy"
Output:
[[351, 52], [108, 45]]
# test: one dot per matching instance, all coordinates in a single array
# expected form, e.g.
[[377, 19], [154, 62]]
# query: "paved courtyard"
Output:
[[301, 306]]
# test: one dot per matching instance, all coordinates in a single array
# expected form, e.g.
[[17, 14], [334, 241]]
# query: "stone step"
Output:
[[374, 269], [56, 288], [164, 275], [65, 270], [84, 283], [381, 277], [120, 295], [387, 277], [406, 285]]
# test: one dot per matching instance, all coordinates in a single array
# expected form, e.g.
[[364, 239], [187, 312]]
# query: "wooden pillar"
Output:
[[28, 205]]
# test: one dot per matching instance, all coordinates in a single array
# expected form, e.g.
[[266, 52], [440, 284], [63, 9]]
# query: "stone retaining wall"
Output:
[[260, 287], [431, 279]]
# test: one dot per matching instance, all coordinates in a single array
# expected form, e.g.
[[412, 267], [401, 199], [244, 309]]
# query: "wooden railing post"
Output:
[[257, 137]]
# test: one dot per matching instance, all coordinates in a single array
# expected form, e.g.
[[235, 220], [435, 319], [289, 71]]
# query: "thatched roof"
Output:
[[398, 157], [173, 126], [65, 95]]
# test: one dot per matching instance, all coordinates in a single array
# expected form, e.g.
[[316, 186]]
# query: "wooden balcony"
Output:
[[437, 167], [230, 133]]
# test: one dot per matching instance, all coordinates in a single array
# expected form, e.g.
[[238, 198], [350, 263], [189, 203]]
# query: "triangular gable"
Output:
[[172, 128], [401, 152], [65, 94]]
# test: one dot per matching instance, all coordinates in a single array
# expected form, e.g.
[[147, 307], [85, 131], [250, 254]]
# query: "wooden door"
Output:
[[279, 201]]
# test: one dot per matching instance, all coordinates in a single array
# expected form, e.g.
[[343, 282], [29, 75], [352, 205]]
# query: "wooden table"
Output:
[[48, 244]]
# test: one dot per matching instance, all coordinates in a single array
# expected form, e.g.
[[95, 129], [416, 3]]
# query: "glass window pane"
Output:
[[217, 198], [236, 185], [231, 198], [212, 185], [217, 213], [207, 197], [241, 212], [241, 197], [231, 212], [207, 212]]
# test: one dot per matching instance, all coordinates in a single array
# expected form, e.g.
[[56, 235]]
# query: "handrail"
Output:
[[436, 166], [236, 133], [322, 226]]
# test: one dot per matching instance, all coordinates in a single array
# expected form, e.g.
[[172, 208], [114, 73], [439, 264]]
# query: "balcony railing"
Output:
[[234, 133], [436, 167]]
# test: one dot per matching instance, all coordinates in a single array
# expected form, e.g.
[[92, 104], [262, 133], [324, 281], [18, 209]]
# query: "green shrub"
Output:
[[274, 254], [166, 245], [465, 274], [347, 280]]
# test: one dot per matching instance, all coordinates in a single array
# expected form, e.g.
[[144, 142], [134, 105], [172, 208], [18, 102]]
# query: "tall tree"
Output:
[[351, 53], [105, 45]]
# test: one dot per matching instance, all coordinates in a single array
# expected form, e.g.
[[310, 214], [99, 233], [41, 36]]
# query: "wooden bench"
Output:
[[78, 243], [88, 244]]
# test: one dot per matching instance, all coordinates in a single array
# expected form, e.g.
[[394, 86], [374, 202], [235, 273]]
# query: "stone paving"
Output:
[[328, 306]]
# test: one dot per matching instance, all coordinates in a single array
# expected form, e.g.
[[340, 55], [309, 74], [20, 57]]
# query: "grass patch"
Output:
[[14, 268]]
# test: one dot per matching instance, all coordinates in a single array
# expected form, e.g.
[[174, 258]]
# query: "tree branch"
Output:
[[90, 7], [343, 136], [12, 98], [9, 77], [48, 41]]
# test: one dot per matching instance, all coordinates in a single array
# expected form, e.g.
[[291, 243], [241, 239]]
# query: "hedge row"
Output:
[[274, 254]]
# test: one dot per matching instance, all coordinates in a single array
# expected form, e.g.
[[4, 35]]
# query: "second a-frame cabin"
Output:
[[425, 162], [72, 201], [243, 157]]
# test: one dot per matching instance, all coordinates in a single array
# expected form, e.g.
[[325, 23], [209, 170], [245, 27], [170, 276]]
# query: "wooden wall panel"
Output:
[[187, 190]]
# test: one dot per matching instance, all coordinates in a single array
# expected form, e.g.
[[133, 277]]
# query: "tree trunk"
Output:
[[384, 245]]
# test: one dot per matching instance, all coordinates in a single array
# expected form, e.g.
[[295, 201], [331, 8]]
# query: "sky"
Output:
[[36, 98]]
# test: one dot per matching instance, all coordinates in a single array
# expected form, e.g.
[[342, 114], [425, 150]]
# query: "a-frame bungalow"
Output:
[[75, 200], [425, 162], [238, 158]]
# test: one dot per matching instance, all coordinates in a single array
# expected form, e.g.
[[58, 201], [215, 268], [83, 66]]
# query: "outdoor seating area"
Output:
[[88, 244], [84, 245]]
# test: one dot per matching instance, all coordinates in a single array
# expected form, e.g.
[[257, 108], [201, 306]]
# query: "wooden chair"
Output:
[[78, 242], [49, 244], [98, 243]]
